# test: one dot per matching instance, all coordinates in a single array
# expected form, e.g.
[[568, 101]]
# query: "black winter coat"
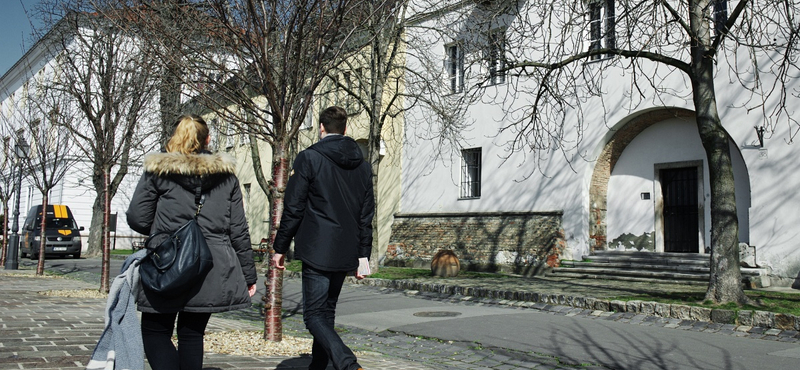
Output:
[[164, 200], [328, 206]]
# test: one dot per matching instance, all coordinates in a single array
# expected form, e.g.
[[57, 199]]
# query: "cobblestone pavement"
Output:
[[45, 332], [48, 332]]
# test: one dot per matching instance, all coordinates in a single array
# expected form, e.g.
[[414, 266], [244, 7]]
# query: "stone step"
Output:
[[648, 266], [650, 257], [633, 266], [638, 265], [581, 275], [638, 254], [700, 275], [650, 261]]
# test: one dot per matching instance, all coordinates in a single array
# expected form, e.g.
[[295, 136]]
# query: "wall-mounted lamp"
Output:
[[760, 134]]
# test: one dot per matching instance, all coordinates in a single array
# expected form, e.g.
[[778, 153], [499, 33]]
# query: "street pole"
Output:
[[12, 251]]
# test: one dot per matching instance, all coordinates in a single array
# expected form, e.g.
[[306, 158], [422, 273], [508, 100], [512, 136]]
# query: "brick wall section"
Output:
[[522, 243], [598, 190]]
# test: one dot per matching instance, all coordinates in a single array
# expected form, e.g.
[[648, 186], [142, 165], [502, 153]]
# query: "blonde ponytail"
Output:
[[190, 135]]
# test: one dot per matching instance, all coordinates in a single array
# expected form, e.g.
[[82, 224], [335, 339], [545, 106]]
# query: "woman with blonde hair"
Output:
[[165, 198]]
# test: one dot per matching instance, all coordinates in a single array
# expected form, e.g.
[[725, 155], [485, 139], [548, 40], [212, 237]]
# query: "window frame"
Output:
[[454, 64], [471, 172], [602, 27], [496, 51]]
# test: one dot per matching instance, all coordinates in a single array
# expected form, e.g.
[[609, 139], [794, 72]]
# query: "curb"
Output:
[[743, 320]]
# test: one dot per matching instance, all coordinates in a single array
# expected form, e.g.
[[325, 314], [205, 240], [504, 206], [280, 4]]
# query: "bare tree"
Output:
[[8, 168], [370, 78], [670, 49], [106, 76], [40, 114], [256, 65]]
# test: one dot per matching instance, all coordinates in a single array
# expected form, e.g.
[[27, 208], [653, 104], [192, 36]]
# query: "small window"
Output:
[[471, 173], [229, 135], [246, 197], [213, 132], [601, 13], [455, 67], [349, 102], [35, 126], [720, 15], [497, 57]]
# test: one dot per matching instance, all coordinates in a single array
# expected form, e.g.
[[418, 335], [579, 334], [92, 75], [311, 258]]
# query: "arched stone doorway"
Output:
[[649, 168]]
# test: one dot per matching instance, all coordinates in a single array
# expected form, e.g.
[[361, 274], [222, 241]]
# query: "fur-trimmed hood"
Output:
[[190, 171], [200, 164]]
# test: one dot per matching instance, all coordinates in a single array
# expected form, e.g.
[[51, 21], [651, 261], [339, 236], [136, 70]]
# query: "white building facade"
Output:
[[37, 68], [624, 169]]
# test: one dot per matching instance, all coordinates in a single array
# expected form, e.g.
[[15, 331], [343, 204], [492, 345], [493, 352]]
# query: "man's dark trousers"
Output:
[[320, 294]]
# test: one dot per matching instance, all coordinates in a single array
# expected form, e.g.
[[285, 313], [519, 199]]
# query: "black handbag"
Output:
[[179, 261]]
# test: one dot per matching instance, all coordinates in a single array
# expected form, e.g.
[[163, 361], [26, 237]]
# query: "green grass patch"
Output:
[[400, 273], [404, 273], [294, 265]]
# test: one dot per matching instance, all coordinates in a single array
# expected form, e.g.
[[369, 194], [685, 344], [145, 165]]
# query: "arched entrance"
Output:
[[648, 188]]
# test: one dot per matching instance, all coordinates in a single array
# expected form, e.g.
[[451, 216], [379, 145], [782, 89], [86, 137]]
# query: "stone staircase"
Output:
[[673, 268]]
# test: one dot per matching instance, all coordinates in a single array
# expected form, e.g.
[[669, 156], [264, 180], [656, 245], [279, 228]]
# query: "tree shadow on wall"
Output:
[[796, 283], [532, 244]]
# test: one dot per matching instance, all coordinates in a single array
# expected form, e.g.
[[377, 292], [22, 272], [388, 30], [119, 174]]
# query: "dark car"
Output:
[[62, 232]]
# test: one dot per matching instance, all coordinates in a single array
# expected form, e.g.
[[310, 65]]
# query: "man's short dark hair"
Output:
[[334, 119]]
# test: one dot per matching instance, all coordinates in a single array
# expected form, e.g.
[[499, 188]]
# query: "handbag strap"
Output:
[[200, 205], [199, 198]]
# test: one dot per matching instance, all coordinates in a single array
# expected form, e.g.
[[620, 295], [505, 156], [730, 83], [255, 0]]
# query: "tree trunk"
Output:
[[273, 301], [725, 284], [42, 235], [375, 162], [105, 276], [169, 99], [95, 240], [258, 170]]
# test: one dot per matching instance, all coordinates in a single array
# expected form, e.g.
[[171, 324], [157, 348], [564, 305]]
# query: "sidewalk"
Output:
[[48, 332], [39, 331]]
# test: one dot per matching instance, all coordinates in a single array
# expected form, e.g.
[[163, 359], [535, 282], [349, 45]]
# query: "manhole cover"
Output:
[[437, 314]]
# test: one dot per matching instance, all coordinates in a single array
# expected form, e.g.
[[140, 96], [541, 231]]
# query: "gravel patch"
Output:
[[75, 293], [252, 343]]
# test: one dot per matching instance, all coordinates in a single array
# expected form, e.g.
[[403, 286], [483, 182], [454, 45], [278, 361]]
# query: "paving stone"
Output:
[[54, 331]]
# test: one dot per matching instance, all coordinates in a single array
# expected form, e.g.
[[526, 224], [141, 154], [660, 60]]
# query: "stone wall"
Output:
[[515, 242]]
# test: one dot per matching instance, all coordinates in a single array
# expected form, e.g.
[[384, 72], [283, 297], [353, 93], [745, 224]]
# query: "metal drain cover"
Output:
[[437, 314]]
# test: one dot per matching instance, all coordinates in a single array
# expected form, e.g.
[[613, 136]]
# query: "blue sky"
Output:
[[15, 31]]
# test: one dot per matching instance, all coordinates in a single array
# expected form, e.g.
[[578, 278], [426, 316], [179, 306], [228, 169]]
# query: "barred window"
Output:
[[471, 173], [602, 11]]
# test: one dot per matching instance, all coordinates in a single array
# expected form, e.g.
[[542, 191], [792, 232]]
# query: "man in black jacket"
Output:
[[328, 210]]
